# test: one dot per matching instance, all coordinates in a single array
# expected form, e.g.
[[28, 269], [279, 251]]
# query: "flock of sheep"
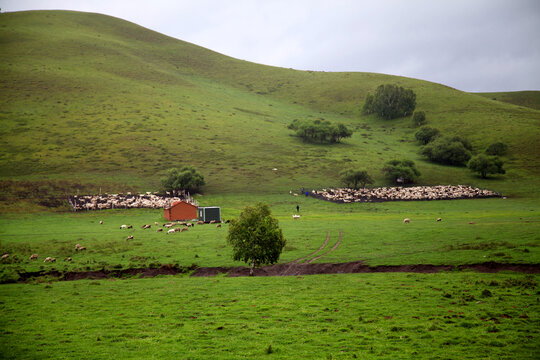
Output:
[[171, 227], [440, 192], [125, 201]]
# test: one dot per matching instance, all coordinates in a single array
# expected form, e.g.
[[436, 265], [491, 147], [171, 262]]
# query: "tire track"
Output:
[[298, 261], [329, 251]]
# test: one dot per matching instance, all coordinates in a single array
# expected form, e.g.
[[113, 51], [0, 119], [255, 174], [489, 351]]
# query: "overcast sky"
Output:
[[471, 45]]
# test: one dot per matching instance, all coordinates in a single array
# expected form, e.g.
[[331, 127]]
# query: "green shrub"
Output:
[[401, 171], [497, 149], [320, 131], [419, 118], [485, 165], [390, 102], [187, 178], [352, 178], [447, 150], [426, 134]]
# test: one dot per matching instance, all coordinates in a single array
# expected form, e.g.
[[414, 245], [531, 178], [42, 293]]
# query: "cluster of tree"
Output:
[[390, 102], [459, 151], [352, 178], [448, 150], [255, 237], [320, 131], [401, 171], [485, 164], [397, 171], [187, 179]]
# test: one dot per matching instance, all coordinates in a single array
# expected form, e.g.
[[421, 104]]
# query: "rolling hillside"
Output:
[[100, 101]]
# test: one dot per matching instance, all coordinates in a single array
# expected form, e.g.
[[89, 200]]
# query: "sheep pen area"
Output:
[[414, 193], [126, 201]]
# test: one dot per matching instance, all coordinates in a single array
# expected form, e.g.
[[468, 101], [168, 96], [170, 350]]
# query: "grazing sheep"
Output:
[[79, 247], [159, 230], [218, 226], [295, 216], [130, 237], [212, 221], [177, 229], [471, 223], [130, 227], [100, 222], [34, 256], [200, 222], [185, 228], [5, 256], [439, 219], [170, 231], [156, 223], [406, 220], [49, 259], [68, 259], [189, 224], [123, 227]]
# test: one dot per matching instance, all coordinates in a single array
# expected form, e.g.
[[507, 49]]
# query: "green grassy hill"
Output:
[[99, 101], [529, 99]]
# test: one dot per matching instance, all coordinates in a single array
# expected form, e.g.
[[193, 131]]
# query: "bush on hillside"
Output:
[[426, 134], [320, 131], [187, 179], [352, 178], [485, 165], [390, 102], [447, 150], [419, 118], [497, 149], [401, 171]]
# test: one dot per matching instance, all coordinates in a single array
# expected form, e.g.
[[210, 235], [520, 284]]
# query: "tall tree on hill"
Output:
[[187, 179], [256, 237], [390, 102]]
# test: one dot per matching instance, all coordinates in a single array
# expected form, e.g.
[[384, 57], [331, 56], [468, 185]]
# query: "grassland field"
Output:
[[92, 103], [368, 316]]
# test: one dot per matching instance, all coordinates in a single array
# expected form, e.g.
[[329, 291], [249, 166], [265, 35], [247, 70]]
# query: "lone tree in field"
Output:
[[485, 165], [187, 178], [256, 237], [351, 178], [390, 102]]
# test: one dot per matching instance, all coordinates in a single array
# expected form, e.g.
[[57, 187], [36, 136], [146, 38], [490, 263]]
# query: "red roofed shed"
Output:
[[180, 210]]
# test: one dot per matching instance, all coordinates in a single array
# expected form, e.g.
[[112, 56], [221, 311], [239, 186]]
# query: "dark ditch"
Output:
[[288, 269]]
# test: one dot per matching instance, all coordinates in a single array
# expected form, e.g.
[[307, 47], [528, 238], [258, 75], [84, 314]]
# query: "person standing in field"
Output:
[[297, 208]]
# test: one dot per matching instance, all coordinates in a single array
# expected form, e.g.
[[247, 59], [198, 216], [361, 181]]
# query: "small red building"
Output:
[[180, 210]]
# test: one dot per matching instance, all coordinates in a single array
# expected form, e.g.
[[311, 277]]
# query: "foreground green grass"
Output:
[[504, 230], [369, 316]]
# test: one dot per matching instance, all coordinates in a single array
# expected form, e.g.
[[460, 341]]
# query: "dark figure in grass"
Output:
[[297, 208]]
